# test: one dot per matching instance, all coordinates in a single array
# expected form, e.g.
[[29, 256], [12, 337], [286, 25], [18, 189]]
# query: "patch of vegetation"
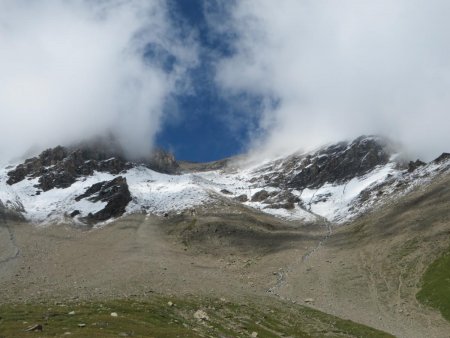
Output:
[[171, 317], [435, 290]]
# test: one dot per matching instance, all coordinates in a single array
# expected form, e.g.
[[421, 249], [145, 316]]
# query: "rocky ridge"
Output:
[[336, 163], [61, 167], [92, 183]]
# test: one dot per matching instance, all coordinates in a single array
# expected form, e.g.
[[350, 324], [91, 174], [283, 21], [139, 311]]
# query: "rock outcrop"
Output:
[[115, 193], [413, 165], [340, 162], [333, 164], [60, 167], [442, 158]]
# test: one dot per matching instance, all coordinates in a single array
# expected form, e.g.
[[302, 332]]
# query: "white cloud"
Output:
[[74, 69], [344, 68]]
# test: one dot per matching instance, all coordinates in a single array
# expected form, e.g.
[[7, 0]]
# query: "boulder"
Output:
[[260, 196], [201, 315], [241, 198]]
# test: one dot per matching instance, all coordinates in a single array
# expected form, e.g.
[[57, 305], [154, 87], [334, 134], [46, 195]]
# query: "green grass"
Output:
[[155, 318], [435, 290]]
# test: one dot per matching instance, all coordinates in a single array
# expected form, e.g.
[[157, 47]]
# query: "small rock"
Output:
[[309, 300], [201, 315], [81, 325], [35, 328], [254, 334], [114, 314], [170, 303], [67, 333], [71, 313]]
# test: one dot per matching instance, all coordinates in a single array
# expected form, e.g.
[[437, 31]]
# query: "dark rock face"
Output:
[[75, 213], [35, 167], [443, 157], [340, 162], [60, 167], [162, 161], [414, 165], [114, 192], [334, 164]]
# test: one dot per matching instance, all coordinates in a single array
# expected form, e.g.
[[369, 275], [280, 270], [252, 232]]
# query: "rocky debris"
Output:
[[414, 165], [201, 315], [254, 334], [260, 196], [34, 328], [241, 198], [114, 192], [81, 325], [309, 300], [226, 192], [114, 314]]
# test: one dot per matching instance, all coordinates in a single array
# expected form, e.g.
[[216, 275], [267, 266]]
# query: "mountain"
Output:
[[92, 183], [285, 246]]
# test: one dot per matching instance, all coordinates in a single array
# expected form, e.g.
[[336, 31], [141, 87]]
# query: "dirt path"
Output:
[[8, 247], [282, 273]]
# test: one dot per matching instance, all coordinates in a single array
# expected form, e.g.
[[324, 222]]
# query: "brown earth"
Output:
[[367, 271]]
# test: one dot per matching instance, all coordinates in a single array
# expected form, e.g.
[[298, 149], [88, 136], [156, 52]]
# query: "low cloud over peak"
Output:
[[281, 76], [75, 69], [342, 69]]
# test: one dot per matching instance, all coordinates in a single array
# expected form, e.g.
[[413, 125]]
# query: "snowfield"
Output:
[[157, 193]]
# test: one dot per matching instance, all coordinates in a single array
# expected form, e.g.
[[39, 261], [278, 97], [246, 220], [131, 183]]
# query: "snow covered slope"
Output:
[[337, 182]]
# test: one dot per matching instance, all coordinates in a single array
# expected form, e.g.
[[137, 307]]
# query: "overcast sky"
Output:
[[209, 79]]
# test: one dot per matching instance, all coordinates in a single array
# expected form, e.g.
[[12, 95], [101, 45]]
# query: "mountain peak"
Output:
[[93, 182]]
